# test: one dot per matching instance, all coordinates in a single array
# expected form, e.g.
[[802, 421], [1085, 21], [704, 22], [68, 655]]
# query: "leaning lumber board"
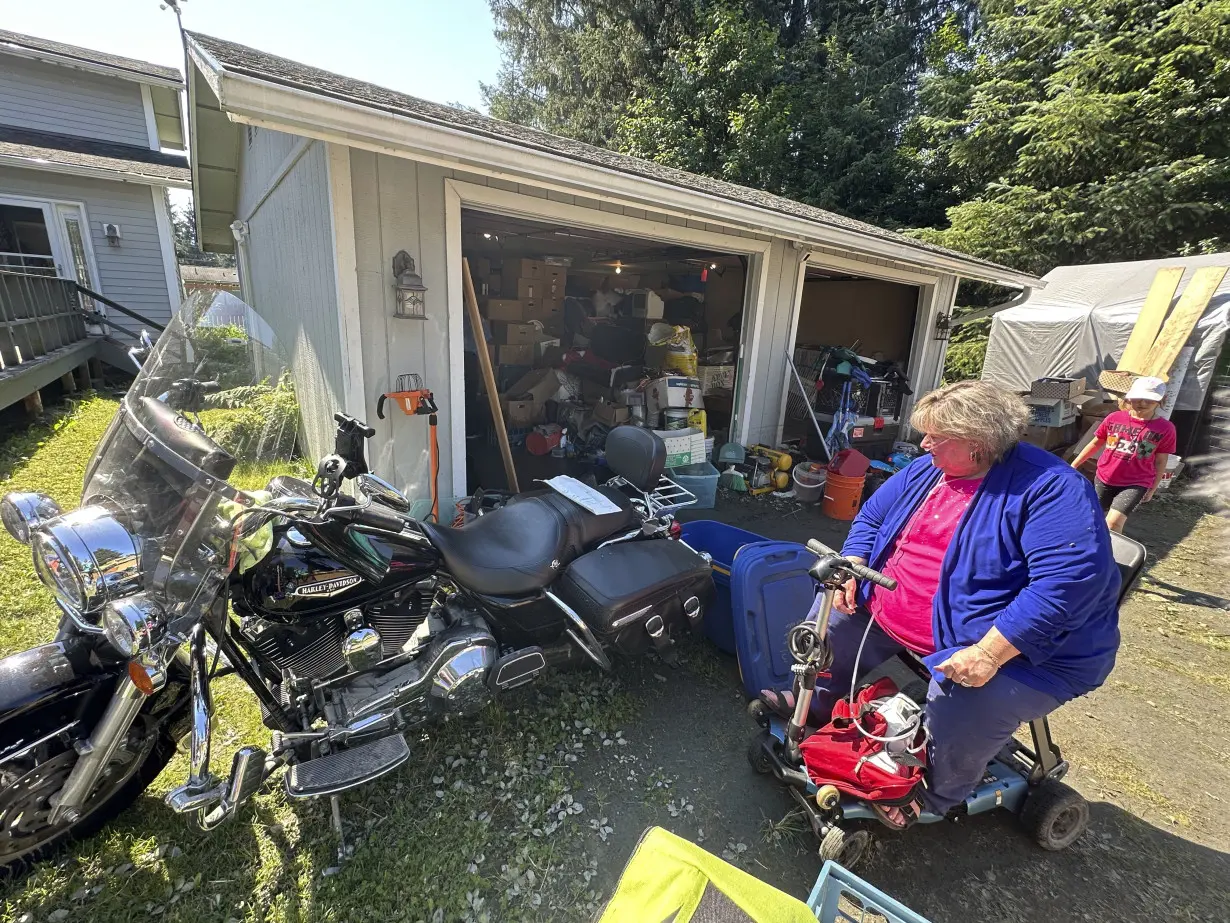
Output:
[[1149, 322], [1179, 325]]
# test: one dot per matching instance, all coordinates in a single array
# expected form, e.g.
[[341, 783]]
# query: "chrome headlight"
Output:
[[87, 557], [133, 625], [22, 513]]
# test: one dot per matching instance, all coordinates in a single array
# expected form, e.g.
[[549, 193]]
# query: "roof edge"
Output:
[[160, 76]]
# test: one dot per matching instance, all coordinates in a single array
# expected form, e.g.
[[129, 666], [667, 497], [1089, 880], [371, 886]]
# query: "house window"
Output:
[[25, 244]]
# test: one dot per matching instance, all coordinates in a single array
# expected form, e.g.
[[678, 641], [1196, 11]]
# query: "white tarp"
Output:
[[1080, 323]]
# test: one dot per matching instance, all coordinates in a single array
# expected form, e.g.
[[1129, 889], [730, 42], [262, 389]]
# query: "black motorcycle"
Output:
[[351, 622]]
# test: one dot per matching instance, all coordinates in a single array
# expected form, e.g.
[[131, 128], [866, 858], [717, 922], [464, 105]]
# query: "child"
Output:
[[1137, 443]]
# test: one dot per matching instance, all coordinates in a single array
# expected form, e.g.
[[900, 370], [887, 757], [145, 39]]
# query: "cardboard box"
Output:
[[528, 289], [1049, 411], [672, 391], [543, 344], [1051, 437], [524, 269], [508, 309], [539, 385], [1064, 389], [611, 414], [683, 446], [546, 310], [715, 377], [515, 355], [515, 333], [523, 413]]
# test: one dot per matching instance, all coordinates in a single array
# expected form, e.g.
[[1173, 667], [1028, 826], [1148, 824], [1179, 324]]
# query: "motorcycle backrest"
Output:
[[1129, 558], [636, 454]]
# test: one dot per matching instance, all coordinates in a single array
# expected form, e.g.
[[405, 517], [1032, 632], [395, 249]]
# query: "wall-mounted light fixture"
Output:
[[943, 327], [409, 287]]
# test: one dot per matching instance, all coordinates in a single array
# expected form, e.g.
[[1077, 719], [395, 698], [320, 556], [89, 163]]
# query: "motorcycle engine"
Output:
[[313, 649]]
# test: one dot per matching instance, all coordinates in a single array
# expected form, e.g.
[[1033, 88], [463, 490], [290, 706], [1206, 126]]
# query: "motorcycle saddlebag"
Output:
[[617, 590]]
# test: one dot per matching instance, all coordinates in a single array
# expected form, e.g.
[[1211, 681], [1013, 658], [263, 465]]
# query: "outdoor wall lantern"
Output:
[[408, 284]]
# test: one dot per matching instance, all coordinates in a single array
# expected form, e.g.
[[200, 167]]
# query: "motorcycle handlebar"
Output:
[[861, 571]]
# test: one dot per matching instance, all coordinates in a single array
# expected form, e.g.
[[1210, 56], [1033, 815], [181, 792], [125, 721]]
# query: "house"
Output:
[[209, 278], [317, 181], [83, 198]]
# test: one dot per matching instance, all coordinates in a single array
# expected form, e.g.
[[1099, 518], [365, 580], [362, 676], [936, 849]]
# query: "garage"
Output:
[[579, 323], [853, 350]]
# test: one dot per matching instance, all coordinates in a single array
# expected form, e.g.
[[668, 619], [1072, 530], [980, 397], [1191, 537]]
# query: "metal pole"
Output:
[[811, 413]]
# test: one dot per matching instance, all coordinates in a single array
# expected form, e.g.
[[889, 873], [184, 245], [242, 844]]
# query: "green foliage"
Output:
[[1082, 134], [255, 423], [227, 349], [187, 249], [967, 349]]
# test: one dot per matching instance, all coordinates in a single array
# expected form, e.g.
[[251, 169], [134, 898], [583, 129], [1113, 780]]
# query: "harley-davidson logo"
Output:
[[329, 587]]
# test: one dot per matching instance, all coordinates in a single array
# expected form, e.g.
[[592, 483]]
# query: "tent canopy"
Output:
[[1080, 323]]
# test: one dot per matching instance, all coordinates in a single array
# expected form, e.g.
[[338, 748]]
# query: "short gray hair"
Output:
[[977, 411]]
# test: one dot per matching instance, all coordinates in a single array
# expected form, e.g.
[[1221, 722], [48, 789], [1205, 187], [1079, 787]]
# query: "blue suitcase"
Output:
[[770, 591]]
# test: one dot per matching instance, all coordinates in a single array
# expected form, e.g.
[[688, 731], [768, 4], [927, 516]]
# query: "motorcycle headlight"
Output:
[[22, 513], [86, 558], [133, 624]]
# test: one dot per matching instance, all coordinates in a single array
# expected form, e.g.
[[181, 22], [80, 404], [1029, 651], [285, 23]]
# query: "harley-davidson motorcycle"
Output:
[[352, 623]]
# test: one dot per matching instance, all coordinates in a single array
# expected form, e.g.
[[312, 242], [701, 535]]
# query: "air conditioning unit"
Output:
[[112, 232]]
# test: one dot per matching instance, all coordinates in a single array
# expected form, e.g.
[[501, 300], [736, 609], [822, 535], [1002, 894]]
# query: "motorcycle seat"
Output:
[[521, 547]]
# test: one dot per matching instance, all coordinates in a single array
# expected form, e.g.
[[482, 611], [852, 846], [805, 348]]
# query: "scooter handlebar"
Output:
[[861, 571]]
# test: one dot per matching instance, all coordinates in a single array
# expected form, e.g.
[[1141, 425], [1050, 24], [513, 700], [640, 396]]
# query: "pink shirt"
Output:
[[1132, 447], [905, 613]]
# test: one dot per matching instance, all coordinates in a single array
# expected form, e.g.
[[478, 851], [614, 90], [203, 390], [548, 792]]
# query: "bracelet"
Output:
[[990, 656]]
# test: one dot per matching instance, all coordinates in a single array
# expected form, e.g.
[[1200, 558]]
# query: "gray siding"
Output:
[[130, 272], [399, 205], [291, 279], [765, 371], [46, 97]]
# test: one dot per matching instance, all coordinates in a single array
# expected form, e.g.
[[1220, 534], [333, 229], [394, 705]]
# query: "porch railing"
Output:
[[40, 314]]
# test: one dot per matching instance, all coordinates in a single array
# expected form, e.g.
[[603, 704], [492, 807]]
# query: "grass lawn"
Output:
[[471, 828]]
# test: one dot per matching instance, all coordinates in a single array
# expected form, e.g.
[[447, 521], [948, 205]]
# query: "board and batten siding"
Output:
[[289, 277], [130, 271], [46, 97], [399, 205]]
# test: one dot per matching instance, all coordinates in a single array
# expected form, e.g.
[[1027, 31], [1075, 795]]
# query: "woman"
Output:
[[1006, 586], [1137, 443]]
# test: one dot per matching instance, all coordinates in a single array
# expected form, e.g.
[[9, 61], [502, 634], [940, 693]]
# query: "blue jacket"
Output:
[[1031, 556]]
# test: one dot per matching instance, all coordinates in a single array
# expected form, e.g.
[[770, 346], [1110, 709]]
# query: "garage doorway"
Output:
[[853, 349], [568, 312]]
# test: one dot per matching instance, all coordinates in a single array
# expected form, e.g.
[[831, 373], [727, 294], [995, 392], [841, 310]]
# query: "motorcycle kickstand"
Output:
[[344, 852]]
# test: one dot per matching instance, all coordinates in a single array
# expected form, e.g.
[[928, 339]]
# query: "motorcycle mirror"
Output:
[[378, 490]]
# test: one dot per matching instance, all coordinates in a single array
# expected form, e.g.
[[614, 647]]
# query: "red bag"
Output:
[[838, 753]]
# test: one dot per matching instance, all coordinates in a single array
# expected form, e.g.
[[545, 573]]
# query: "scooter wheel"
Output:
[[759, 712], [757, 758], [844, 847], [1055, 815], [828, 797]]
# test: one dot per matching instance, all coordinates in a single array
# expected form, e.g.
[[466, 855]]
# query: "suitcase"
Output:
[[635, 595], [770, 592]]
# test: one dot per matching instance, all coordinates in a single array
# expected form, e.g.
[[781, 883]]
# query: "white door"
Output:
[[77, 260]]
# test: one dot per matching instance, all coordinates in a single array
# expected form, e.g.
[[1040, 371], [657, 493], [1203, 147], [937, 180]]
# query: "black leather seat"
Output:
[[512, 551], [521, 547]]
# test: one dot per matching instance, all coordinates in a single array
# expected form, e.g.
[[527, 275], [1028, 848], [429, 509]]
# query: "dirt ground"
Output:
[[1148, 750]]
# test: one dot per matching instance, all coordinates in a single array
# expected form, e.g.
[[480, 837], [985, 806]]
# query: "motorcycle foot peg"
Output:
[[247, 775]]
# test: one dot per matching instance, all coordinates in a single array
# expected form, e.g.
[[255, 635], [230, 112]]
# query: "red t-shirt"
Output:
[[905, 613], [1131, 448]]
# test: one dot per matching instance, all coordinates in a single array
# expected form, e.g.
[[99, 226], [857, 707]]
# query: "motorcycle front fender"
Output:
[[47, 689]]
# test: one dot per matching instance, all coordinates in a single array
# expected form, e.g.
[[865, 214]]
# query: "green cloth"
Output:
[[252, 545]]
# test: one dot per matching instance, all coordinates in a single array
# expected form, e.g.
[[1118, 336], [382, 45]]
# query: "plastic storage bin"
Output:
[[721, 542], [770, 591], [840, 896], [700, 479]]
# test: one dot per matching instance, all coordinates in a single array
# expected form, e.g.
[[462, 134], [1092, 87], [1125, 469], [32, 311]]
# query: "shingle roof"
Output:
[[44, 147], [240, 59], [143, 68]]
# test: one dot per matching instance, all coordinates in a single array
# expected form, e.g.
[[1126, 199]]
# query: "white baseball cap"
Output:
[[1147, 389]]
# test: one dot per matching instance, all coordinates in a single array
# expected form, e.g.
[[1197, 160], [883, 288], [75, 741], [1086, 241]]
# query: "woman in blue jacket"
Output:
[[1007, 587]]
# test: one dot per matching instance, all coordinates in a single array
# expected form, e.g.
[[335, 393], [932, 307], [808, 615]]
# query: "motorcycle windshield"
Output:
[[211, 417]]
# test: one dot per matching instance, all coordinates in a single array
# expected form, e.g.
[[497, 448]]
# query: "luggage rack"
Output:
[[665, 498]]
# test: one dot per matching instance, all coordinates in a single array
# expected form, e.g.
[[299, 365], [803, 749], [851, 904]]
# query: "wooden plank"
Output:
[[1157, 303], [484, 364], [1179, 325]]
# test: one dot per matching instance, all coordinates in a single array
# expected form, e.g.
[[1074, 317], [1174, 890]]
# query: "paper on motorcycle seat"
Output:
[[582, 495]]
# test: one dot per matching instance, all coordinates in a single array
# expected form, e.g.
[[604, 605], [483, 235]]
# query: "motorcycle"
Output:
[[352, 623]]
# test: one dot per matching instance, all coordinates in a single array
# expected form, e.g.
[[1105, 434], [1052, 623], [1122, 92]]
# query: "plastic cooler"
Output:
[[700, 479], [840, 896], [770, 592], [722, 543]]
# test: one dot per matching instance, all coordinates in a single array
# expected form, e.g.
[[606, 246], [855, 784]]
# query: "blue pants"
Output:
[[966, 727]]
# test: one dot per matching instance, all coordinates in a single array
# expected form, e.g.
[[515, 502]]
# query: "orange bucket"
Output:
[[842, 496]]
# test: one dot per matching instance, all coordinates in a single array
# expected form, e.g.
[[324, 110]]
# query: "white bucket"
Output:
[[809, 484]]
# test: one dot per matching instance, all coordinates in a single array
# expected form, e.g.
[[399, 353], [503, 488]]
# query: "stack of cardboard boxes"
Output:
[[526, 290]]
